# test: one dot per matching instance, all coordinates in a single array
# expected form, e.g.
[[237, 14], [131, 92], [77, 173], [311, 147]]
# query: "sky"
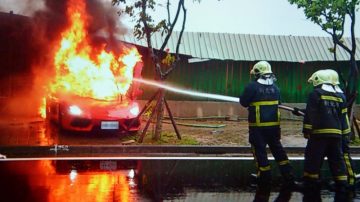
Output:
[[266, 17], [269, 17]]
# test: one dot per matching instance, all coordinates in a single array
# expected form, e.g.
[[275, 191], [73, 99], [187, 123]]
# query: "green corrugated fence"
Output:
[[230, 78]]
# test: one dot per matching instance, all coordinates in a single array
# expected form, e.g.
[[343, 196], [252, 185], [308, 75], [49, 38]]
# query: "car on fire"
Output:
[[76, 113]]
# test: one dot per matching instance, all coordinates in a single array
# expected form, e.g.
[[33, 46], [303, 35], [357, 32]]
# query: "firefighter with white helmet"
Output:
[[261, 97], [324, 129], [346, 132], [335, 80], [261, 68]]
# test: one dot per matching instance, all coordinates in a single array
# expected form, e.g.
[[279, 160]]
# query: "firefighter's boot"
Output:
[[291, 184]]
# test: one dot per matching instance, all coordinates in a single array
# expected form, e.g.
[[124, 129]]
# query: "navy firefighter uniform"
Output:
[[323, 126], [261, 97], [346, 131]]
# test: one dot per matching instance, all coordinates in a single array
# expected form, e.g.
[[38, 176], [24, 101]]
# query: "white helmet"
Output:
[[334, 77], [320, 77], [261, 68]]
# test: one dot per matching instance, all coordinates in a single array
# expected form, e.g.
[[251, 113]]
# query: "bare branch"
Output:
[[172, 26], [182, 30], [148, 31], [173, 65], [168, 12], [352, 28]]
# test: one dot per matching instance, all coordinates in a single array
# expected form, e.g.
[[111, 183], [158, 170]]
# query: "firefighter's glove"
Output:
[[306, 135], [296, 111]]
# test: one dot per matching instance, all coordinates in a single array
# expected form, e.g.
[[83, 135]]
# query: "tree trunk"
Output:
[[351, 117], [159, 116]]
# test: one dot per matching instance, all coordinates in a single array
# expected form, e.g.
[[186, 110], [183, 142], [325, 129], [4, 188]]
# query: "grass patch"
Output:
[[132, 136], [169, 138]]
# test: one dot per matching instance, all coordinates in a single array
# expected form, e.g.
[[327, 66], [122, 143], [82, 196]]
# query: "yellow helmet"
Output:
[[334, 77], [261, 68], [320, 77]]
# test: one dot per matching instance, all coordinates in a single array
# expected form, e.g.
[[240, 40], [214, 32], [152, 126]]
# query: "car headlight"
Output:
[[75, 110], [135, 110]]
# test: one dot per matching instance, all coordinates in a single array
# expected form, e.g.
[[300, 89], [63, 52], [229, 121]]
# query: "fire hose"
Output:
[[206, 95], [291, 109]]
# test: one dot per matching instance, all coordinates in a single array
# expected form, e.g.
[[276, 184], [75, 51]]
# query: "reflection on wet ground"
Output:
[[140, 180]]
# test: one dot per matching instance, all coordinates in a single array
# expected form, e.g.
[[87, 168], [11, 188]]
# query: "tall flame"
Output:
[[89, 71]]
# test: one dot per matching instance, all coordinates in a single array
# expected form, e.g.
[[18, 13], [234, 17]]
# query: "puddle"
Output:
[[138, 180]]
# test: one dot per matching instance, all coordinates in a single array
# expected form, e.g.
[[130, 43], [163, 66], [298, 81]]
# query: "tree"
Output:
[[164, 63], [330, 15]]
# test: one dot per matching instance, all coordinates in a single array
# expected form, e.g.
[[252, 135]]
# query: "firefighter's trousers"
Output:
[[259, 138], [348, 161], [316, 149]]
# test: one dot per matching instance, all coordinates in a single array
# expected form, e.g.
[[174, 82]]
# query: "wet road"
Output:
[[42, 181]]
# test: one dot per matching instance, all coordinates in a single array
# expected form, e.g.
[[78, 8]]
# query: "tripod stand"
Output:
[[158, 97]]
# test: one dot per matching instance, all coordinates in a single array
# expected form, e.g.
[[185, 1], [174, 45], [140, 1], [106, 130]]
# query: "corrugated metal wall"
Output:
[[249, 47], [230, 77]]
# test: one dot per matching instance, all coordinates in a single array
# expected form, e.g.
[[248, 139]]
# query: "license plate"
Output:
[[108, 165], [109, 125]]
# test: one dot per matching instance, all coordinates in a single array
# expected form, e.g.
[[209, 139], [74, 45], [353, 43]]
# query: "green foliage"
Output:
[[138, 11], [331, 50], [328, 14]]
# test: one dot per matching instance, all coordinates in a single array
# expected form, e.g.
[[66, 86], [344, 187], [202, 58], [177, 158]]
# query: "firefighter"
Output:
[[346, 132], [323, 128], [261, 97]]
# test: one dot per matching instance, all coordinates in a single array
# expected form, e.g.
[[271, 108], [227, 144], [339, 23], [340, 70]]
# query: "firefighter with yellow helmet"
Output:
[[261, 97], [346, 132], [324, 128]]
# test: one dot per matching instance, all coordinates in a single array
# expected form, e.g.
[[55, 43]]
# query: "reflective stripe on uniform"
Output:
[[264, 168], [284, 162], [348, 130], [344, 110], [313, 176], [257, 113], [274, 102], [332, 131], [349, 169], [265, 124], [332, 98], [341, 178], [307, 126]]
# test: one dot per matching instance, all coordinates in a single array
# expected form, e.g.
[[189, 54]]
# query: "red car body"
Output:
[[75, 113]]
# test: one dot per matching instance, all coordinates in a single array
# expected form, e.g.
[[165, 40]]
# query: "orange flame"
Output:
[[86, 71]]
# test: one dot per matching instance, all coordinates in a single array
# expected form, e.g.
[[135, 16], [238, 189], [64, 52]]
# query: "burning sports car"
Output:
[[92, 86], [78, 113]]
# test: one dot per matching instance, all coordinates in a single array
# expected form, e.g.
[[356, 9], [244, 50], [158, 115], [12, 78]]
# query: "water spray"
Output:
[[200, 94], [188, 92]]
